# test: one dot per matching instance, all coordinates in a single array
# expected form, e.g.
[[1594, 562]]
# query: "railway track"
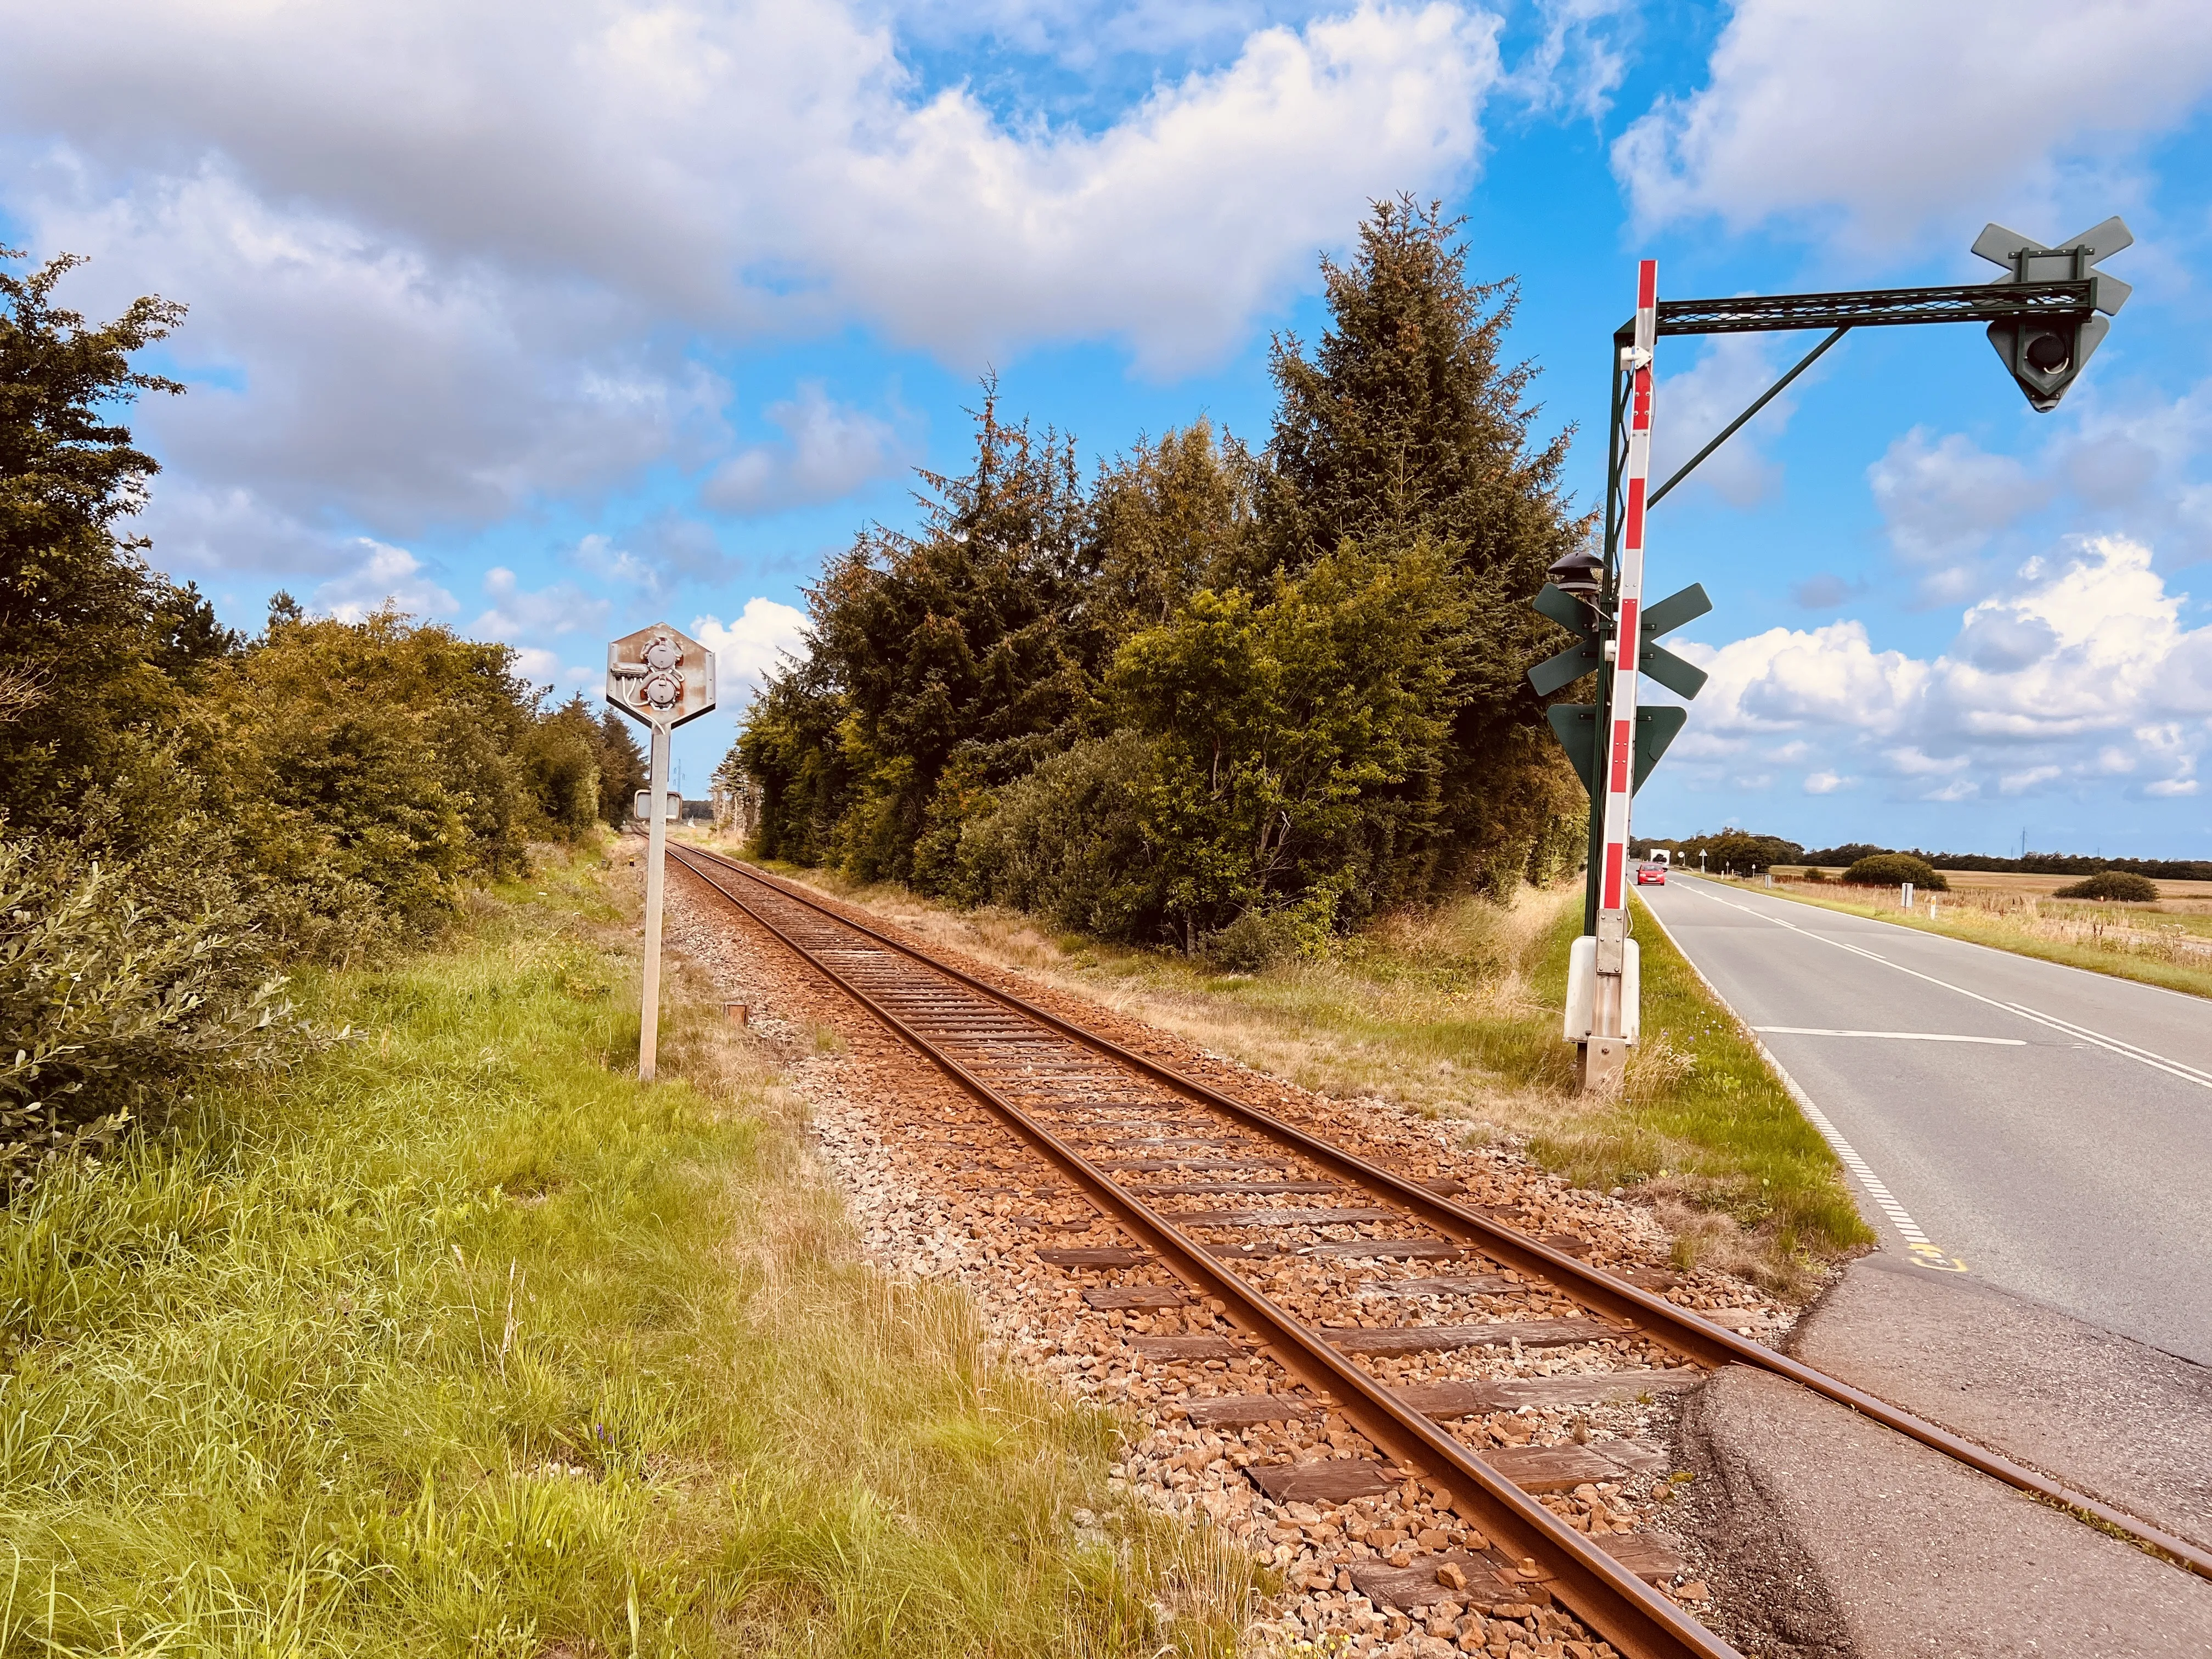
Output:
[[1292, 1242]]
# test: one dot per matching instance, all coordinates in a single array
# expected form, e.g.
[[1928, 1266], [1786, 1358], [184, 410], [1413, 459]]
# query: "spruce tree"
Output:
[[1408, 422]]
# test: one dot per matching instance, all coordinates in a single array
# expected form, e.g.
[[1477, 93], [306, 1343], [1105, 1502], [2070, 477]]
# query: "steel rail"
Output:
[[1616, 1604], [1678, 1327]]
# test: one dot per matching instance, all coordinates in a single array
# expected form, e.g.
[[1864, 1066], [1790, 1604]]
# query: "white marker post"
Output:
[[661, 678]]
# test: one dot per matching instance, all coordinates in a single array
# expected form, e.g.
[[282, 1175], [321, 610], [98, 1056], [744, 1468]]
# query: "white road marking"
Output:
[[2126, 1050], [1895, 1037], [2177, 1068], [1924, 1251]]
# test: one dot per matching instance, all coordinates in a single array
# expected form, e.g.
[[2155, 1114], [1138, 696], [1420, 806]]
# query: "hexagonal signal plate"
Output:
[[661, 676]]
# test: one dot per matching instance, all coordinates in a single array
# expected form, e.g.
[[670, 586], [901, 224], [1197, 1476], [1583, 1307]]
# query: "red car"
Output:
[[1648, 874]]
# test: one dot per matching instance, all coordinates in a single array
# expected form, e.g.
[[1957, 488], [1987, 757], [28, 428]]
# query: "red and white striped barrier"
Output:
[[1603, 981]]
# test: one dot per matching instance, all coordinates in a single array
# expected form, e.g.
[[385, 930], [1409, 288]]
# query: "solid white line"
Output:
[[1895, 1037], [2179, 1068], [1915, 1240], [2126, 1050]]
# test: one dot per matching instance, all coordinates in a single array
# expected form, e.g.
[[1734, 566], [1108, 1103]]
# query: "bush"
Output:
[[120, 985], [1892, 869], [2121, 885], [1256, 940], [1067, 842]]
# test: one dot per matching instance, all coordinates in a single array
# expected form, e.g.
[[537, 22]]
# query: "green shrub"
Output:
[[120, 985], [1256, 940], [1892, 869], [2124, 885], [1066, 842]]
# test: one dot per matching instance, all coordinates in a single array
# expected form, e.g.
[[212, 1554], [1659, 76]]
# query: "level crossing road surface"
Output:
[[2047, 1128]]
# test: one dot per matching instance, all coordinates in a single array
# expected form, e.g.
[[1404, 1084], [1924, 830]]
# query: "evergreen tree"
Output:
[[957, 656], [1405, 423], [1168, 519], [620, 763]]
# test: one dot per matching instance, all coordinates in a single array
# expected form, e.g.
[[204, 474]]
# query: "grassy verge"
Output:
[[2139, 943], [1456, 1014], [457, 1340]]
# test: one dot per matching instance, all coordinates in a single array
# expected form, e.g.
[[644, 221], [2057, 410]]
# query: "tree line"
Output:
[[1209, 695], [186, 810], [1742, 849]]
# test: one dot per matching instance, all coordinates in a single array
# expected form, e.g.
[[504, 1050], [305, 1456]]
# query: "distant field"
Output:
[[2168, 943], [2179, 895]]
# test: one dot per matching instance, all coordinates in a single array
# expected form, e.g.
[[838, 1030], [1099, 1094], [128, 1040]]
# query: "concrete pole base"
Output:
[[1599, 1065]]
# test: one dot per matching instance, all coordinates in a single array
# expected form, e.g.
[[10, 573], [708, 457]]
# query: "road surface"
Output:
[[2048, 1129]]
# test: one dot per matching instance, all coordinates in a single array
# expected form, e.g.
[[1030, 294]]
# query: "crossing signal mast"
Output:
[[2045, 316]]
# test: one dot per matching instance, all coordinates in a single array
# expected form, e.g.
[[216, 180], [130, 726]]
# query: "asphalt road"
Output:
[[2066, 1156]]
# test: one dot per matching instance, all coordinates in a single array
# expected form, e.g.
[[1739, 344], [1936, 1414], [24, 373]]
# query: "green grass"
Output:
[[1705, 1119], [455, 1339], [1456, 1013], [2138, 942]]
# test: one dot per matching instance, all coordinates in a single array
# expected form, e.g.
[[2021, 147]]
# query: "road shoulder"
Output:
[[1843, 1538], [2109, 1416]]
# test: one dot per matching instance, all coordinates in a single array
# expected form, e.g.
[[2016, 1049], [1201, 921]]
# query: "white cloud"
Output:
[[445, 259], [828, 451], [748, 649], [356, 374], [386, 576], [1944, 500], [539, 667], [2081, 676], [1689, 408], [1581, 58], [1827, 783], [1886, 116], [561, 609]]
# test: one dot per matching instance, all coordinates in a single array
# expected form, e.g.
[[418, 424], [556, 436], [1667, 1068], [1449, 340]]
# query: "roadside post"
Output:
[[660, 678], [2045, 316]]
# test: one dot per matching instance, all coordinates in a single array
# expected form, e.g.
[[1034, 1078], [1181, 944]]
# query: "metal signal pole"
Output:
[[1613, 1010], [656, 854], [660, 678], [2045, 316]]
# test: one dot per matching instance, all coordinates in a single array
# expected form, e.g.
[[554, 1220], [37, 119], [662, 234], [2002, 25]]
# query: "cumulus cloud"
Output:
[[1689, 408], [2127, 464], [383, 575], [446, 260], [2082, 674], [828, 451], [1942, 500], [1886, 115], [537, 666], [755, 642], [2139, 465], [358, 376], [561, 608]]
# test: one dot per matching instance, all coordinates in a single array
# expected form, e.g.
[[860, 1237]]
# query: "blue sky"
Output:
[[550, 321]]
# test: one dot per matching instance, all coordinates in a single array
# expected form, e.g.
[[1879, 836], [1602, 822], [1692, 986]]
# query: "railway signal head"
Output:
[[2045, 353], [661, 676]]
